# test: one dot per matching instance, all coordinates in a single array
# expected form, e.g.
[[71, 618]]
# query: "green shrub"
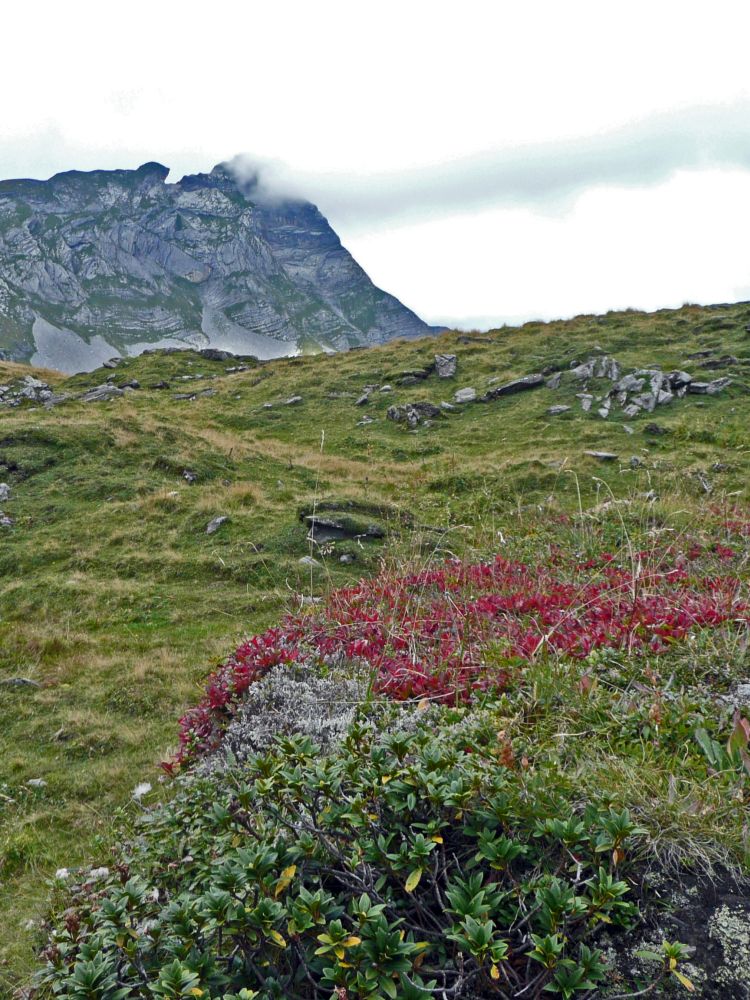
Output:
[[433, 856]]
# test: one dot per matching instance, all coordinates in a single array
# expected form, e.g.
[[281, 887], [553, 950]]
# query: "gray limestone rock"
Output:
[[533, 381], [4, 492], [467, 395], [602, 456], [555, 411], [101, 393], [446, 365], [213, 526]]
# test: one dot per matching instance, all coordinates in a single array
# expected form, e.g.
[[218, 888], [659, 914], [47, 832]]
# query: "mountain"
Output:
[[95, 264]]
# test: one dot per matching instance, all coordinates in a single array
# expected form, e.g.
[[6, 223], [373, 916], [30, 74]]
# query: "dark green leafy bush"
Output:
[[429, 859]]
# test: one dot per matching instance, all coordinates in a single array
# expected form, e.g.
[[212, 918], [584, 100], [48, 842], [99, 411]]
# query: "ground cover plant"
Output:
[[115, 603]]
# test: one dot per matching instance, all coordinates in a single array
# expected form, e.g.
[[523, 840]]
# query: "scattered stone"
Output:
[[4, 492], [628, 429], [603, 410], [533, 381], [725, 361], [189, 476], [584, 370], [293, 401], [132, 383], [629, 383], [555, 411], [347, 558], [631, 410], [308, 561], [365, 421], [446, 365], [183, 395], [363, 399], [213, 526], [19, 682], [635, 462], [655, 429], [386, 388], [6, 521], [112, 363], [413, 413], [708, 388], [36, 783], [448, 407], [159, 385], [101, 393], [602, 456], [554, 381], [467, 395], [214, 354], [586, 400]]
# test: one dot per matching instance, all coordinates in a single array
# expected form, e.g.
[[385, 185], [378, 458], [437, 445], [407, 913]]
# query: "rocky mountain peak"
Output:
[[111, 262]]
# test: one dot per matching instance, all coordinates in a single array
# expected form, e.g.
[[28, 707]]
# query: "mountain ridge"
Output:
[[106, 262]]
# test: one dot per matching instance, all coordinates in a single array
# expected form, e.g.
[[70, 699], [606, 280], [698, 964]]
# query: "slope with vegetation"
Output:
[[566, 636]]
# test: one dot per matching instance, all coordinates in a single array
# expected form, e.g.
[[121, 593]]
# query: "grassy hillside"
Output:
[[115, 602]]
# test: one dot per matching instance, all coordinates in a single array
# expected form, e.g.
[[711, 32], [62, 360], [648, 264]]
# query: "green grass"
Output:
[[114, 599]]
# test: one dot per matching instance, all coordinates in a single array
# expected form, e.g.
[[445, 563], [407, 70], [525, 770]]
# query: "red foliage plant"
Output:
[[449, 631]]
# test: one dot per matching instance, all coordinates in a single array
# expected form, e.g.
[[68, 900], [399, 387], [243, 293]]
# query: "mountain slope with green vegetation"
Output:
[[115, 601]]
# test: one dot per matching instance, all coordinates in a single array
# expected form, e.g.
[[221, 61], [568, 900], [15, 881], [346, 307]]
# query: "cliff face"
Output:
[[117, 261]]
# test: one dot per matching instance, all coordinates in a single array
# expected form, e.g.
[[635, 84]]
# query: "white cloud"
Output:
[[348, 91]]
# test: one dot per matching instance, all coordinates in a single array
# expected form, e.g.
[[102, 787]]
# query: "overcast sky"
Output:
[[484, 161]]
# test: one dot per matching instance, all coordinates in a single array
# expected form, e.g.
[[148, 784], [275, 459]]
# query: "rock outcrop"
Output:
[[112, 262]]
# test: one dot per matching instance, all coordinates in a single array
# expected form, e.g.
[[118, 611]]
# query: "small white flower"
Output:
[[140, 790]]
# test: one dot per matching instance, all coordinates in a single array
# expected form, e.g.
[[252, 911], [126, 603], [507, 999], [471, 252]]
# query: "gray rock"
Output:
[[36, 783], [631, 410], [602, 456], [347, 558], [293, 401], [365, 421], [555, 411], [19, 682], [629, 383], [189, 476], [446, 365], [646, 401], [308, 561], [586, 400], [386, 388], [553, 382], [6, 521], [101, 393], [186, 395], [467, 395], [112, 362], [679, 379], [607, 367], [628, 429], [213, 526], [584, 370], [718, 385], [533, 381], [4, 492], [363, 399], [448, 407]]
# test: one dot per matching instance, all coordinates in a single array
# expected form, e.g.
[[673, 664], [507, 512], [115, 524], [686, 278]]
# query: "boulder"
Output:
[[586, 400], [533, 381], [101, 393], [446, 365], [553, 382], [213, 526], [467, 395]]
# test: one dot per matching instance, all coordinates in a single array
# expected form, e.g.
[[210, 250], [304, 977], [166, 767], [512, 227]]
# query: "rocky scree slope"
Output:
[[107, 262]]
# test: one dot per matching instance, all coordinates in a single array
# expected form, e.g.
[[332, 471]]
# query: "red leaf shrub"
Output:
[[454, 629]]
